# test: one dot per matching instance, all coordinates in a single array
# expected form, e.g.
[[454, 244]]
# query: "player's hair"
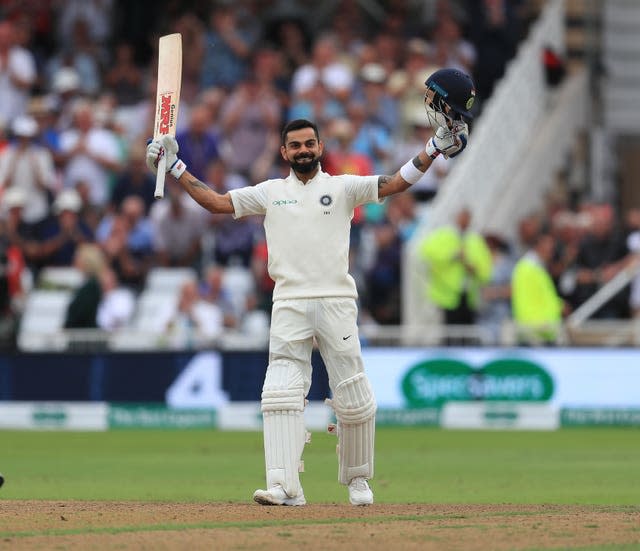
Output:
[[297, 124]]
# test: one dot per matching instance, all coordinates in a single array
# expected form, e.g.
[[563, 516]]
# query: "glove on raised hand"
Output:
[[167, 145], [449, 142]]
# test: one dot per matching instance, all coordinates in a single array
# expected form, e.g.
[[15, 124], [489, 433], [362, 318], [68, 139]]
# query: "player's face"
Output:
[[302, 150], [437, 116]]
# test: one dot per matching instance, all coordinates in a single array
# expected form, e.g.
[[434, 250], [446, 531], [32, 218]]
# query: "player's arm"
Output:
[[388, 185], [445, 142], [198, 190], [204, 195]]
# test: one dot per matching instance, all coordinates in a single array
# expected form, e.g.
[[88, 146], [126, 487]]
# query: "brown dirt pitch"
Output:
[[61, 525]]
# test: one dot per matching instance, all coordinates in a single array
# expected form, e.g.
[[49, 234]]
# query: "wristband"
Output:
[[431, 149], [410, 173], [177, 169]]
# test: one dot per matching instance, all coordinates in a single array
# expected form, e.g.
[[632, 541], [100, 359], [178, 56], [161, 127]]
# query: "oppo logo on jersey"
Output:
[[281, 202], [166, 112]]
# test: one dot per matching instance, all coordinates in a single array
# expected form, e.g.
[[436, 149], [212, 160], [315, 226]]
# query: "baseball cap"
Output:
[[455, 88], [68, 199]]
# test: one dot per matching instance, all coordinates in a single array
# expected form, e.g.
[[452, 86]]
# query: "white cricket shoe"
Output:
[[277, 496], [359, 492]]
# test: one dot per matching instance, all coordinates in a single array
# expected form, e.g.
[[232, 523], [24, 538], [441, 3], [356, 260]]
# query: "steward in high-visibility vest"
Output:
[[536, 306], [459, 263]]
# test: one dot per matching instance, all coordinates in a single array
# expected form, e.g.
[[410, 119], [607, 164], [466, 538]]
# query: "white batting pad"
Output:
[[283, 425], [355, 408]]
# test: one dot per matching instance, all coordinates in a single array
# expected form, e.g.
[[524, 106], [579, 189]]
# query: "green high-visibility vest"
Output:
[[443, 250], [535, 302]]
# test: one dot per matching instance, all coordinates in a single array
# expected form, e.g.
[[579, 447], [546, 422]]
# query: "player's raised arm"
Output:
[[449, 96], [199, 191], [447, 142]]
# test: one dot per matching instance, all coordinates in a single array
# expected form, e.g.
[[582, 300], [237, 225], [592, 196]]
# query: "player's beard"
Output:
[[304, 168]]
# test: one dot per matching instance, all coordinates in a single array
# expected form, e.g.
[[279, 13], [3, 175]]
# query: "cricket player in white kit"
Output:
[[307, 218]]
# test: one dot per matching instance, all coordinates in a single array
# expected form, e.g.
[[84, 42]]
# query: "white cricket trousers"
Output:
[[333, 323]]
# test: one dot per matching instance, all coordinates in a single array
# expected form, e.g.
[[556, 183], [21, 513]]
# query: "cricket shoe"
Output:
[[359, 492], [277, 496]]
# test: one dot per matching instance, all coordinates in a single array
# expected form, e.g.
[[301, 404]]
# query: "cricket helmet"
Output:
[[451, 88]]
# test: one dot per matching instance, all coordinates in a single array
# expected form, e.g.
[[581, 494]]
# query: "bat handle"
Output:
[[160, 175]]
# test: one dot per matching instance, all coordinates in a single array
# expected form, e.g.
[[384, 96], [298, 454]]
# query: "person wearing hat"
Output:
[[63, 232], [29, 166], [371, 88]]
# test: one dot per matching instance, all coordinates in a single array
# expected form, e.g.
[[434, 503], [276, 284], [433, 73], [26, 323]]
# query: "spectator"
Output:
[[127, 238], [62, 234], [92, 155], [371, 137], [249, 117], [537, 307], [193, 321], [324, 68], [117, 305], [83, 308], [227, 49], [212, 290], [28, 166], [17, 74], [177, 228], [371, 89], [450, 49], [602, 253], [134, 180], [459, 265], [198, 143], [82, 56], [124, 78], [495, 304]]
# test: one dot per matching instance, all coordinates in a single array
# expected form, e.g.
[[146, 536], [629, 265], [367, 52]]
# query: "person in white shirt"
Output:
[[28, 166], [307, 223]]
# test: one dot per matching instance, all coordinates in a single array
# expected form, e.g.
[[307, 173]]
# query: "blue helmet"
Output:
[[455, 89]]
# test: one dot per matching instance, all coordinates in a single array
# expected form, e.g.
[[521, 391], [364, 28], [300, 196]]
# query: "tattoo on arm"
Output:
[[197, 183], [383, 181], [419, 164]]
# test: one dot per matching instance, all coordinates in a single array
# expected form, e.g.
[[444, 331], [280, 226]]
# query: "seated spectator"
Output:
[[91, 153], [61, 234], [198, 144], [135, 179], [178, 224], [193, 321], [117, 305], [127, 238], [83, 308], [212, 289]]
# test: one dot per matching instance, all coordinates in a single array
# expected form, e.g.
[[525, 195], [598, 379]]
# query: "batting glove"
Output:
[[167, 145], [449, 142]]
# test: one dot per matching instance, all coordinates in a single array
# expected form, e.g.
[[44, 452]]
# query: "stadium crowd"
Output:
[[77, 100]]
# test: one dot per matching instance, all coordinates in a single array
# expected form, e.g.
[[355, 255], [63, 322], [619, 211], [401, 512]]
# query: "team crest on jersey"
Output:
[[326, 200]]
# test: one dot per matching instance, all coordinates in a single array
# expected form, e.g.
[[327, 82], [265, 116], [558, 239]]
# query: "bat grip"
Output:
[[160, 175]]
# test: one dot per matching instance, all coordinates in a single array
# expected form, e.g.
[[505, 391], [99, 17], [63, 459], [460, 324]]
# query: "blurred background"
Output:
[[529, 240]]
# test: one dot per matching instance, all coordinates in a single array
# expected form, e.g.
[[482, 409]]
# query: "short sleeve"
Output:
[[249, 200], [362, 189]]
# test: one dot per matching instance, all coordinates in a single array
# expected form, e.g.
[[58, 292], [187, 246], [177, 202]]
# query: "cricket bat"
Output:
[[167, 97]]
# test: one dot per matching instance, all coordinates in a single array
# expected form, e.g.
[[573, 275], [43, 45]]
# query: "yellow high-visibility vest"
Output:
[[442, 250], [535, 302]]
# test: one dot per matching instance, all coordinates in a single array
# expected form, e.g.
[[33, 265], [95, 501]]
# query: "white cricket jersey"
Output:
[[307, 228]]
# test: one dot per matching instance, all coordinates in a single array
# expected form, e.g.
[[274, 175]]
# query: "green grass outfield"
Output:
[[413, 465]]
